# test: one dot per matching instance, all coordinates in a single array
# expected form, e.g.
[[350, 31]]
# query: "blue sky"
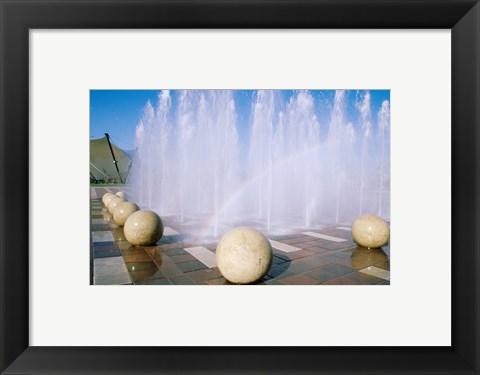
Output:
[[117, 112]]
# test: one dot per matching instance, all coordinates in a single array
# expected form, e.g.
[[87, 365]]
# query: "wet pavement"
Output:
[[324, 255]]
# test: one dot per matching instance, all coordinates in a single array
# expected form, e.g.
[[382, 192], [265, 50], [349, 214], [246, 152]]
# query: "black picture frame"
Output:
[[17, 17]]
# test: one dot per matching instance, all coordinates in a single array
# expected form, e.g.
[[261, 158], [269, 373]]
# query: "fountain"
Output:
[[279, 169]]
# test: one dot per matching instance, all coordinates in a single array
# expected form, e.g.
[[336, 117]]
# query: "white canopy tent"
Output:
[[108, 163]]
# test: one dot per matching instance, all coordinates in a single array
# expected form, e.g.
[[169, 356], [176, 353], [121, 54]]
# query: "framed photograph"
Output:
[[302, 126], [179, 177]]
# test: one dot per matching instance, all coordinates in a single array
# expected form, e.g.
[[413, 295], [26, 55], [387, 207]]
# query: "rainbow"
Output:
[[248, 183]]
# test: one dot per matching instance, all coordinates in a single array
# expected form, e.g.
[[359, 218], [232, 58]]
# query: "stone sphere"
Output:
[[105, 196], [244, 255], [123, 211], [370, 231], [120, 194], [108, 199], [113, 204], [143, 228]]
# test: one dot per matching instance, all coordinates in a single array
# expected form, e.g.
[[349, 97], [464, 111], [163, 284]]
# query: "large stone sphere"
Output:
[[244, 255], [120, 194], [113, 204], [108, 198], [370, 231], [123, 211], [143, 228]]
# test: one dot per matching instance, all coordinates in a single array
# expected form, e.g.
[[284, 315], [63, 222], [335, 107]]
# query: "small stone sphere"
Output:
[[105, 196], [120, 194], [370, 231], [113, 204], [244, 255], [108, 199], [123, 211], [143, 228]]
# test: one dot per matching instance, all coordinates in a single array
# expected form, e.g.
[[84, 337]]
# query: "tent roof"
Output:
[[101, 160]]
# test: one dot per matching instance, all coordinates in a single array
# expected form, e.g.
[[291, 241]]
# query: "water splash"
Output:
[[279, 170]]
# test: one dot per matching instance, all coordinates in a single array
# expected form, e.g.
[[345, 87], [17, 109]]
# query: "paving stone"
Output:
[[329, 257]]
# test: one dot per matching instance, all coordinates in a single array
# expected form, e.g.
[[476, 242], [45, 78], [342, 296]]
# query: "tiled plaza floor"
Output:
[[327, 256]]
